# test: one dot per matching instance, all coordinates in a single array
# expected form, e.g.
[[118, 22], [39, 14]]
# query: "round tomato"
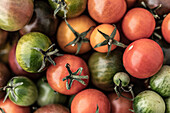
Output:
[[72, 8], [143, 58], [97, 38], [9, 107], [65, 35], [14, 14], [120, 105], [107, 11], [138, 23], [69, 76], [166, 28], [88, 100]]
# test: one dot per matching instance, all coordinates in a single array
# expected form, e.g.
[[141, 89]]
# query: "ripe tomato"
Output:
[[131, 3], [9, 107], [121, 105], [87, 101], [143, 58], [65, 35], [107, 11], [56, 74], [166, 28], [138, 23], [96, 37]]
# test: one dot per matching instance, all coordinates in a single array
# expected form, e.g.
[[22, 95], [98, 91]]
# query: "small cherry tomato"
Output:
[[166, 28]]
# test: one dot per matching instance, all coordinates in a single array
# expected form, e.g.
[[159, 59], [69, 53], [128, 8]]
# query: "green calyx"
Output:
[[74, 76], [153, 10], [79, 38], [2, 110], [47, 56], [97, 110], [109, 41], [11, 87], [61, 6]]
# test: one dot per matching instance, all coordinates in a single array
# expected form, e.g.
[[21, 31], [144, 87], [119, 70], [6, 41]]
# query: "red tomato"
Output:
[[121, 105], [143, 58], [166, 28], [55, 74], [87, 101], [9, 107], [107, 11], [138, 23]]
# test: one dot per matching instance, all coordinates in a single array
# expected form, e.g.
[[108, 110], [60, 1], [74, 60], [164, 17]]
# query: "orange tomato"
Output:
[[166, 28]]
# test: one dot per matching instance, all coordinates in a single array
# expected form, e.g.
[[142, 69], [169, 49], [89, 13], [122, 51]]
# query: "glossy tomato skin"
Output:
[[107, 11], [120, 105], [9, 107], [166, 28], [143, 58], [65, 35], [87, 100], [14, 14], [96, 37], [138, 23], [56, 73]]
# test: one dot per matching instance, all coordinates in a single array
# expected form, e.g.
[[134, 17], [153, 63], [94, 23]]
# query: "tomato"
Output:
[[148, 102], [42, 20], [102, 69], [120, 105], [73, 8], [143, 58], [52, 108], [96, 37], [167, 102], [107, 11], [32, 52], [21, 91], [46, 95], [61, 76], [14, 14], [65, 35], [131, 3], [87, 101], [138, 23], [166, 28], [9, 107], [3, 37]]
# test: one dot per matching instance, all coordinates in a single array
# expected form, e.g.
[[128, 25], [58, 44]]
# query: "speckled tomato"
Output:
[[166, 28], [107, 11], [14, 14]]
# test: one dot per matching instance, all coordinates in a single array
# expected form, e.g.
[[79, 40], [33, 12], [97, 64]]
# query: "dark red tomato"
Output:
[[9, 107], [56, 74], [166, 28], [121, 105], [138, 23], [143, 58], [87, 101], [107, 11], [131, 3], [16, 68]]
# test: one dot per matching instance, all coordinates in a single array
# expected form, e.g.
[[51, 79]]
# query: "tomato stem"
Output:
[[74, 76], [2, 110], [97, 110], [79, 38]]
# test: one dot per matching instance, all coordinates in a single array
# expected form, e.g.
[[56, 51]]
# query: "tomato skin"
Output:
[[65, 35], [56, 73], [138, 23], [121, 105], [97, 37], [143, 58], [9, 107], [107, 11], [87, 100], [166, 28]]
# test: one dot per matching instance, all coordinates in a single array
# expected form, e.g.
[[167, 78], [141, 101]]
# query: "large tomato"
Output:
[[143, 58], [87, 101], [166, 28], [71, 85], [138, 23], [107, 11]]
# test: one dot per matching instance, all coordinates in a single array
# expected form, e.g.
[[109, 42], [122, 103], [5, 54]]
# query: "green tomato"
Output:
[[123, 77], [23, 91], [28, 58], [47, 95]]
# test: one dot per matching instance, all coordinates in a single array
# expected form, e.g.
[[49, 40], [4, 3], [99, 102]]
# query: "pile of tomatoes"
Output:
[[84, 56]]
